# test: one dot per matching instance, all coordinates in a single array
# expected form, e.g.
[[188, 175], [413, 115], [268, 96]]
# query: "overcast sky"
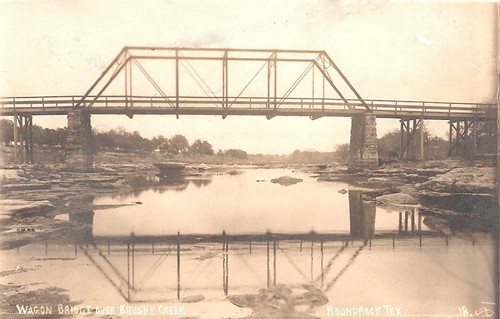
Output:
[[419, 51]]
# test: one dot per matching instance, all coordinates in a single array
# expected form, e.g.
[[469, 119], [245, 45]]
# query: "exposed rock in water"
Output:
[[208, 255], [162, 166], [452, 223], [397, 201], [282, 301], [439, 224], [25, 187], [167, 169], [384, 191], [462, 202], [193, 299], [10, 207], [286, 180], [464, 180], [342, 191]]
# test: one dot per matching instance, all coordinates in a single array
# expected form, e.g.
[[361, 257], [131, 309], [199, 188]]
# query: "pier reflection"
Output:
[[361, 216]]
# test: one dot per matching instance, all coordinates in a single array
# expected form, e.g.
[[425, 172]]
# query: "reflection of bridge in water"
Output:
[[130, 262], [239, 82]]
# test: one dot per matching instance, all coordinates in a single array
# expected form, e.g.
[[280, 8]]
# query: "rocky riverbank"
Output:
[[463, 194]]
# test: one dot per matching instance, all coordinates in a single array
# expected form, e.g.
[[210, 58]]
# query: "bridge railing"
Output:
[[379, 107]]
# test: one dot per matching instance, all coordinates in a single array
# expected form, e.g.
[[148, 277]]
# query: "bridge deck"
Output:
[[263, 106]]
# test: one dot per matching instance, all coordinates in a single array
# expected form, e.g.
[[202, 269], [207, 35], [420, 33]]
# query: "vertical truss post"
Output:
[[128, 85], [269, 66], [323, 93], [272, 75], [130, 94], [177, 83], [224, 84], [127, 66], [312, 86], [275, 79]]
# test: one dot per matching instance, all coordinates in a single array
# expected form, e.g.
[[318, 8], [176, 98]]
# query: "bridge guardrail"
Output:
[[137, 101]]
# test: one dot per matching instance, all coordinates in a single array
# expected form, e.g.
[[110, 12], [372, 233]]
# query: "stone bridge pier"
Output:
[[363, 150], [79, 156]]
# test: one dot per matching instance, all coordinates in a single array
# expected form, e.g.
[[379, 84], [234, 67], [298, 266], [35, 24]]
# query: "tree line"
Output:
[[120, 140]]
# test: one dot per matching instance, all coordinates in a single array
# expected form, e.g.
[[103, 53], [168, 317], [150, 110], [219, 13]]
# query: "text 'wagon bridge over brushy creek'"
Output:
[[236, 82]]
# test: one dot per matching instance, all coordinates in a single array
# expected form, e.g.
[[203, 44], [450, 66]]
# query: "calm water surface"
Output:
[[243, 203]]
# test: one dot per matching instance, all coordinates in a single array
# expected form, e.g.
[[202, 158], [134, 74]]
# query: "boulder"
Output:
[[286, 180]]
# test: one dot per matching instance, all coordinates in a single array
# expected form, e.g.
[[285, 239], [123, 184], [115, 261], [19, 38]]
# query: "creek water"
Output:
[[243, 203], [385, 261]]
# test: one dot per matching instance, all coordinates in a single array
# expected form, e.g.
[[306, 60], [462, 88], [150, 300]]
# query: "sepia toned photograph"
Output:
[[248, 159]]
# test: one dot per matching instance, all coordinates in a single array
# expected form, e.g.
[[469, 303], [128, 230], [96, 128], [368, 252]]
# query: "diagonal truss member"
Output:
[[274, 63]]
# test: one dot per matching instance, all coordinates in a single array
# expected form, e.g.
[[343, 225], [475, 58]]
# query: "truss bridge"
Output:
[[236, 82]]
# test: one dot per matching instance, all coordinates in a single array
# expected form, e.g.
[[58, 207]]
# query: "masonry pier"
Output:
[[79, 145], [363, 150]]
